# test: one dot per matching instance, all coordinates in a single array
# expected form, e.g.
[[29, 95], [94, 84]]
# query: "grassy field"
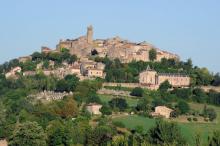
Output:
[[189, 130], [130, 100]]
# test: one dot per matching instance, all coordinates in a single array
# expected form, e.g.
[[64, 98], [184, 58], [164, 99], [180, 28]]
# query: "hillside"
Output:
[[59, 97]]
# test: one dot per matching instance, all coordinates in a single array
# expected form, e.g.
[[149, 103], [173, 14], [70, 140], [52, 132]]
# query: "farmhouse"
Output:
[[162, 111], [94, 108]]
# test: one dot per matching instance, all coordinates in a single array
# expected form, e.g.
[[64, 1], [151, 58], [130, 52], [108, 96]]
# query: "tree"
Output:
[[66, 109], [214, 140], [119, 140], [216, 80], [58, 133], [143, 105], [101, 135], [119, 103], [209, 113], [62, 86], [152, 54], [199, 95], [94, 98], [137, 92], [106, 110], [183, 107], [72, 82], [165, 86], [36, 56], [28, 134], [165, 133], [184, 93]]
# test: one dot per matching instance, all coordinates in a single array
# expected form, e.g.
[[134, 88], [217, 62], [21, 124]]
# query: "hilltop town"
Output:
[[105, 92], [85, 47]]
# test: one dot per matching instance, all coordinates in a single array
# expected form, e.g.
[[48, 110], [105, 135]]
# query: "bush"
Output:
[[106, 110], [137, 92], [119, 103], [183, 107], [189, 119], [118, 124], [195, 119]]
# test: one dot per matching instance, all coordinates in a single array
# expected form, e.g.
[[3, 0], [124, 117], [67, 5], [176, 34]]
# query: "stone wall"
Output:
[[130, 85]]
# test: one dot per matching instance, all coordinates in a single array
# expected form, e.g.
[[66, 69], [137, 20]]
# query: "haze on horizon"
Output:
[[185, 27]]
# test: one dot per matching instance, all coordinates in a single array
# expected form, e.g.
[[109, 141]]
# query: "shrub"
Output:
[[137, 92], [189, 119], [195, 119], [183, 107], [118, 124]]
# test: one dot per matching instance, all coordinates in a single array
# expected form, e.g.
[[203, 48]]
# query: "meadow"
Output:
[[189, 130]]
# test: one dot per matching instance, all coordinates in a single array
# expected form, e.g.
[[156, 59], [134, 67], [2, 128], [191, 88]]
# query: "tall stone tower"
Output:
[[90, 34]]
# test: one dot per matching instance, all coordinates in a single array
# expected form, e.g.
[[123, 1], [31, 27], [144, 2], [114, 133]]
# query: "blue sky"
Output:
[[190, 28]]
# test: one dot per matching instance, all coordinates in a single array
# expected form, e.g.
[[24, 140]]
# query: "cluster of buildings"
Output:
[[153, 79], [113, 48], [84, 69]]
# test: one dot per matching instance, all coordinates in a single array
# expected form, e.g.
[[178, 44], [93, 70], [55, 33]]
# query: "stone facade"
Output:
[[24, 59], [150, 77], [49, 95], [3, 143], [115, 47], [162, 111], [94, 108], [13, 72]]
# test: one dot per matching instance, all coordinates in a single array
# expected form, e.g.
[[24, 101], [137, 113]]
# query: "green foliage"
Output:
[[94, 99], [199, 95], [60, 132], [165, 133], [137, 92], [183, 107], [143, 105], [28, 133], [28, 66], [152, 54], [214, 98], [106, 110], [214, 140], [66, 109], [184, 93], [118, 103], [101, 135], [209, 113], [216, 80], [118, 124], [165, 86], [67, 84]]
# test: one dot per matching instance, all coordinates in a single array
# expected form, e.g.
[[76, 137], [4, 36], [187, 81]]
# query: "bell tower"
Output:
[[90, 34]]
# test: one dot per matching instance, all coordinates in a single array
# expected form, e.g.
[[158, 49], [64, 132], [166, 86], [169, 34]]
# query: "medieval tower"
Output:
[[90, 34]]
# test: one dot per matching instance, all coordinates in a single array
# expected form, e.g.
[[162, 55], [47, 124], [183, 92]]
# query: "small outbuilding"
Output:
[[162, 111], [94, 108]]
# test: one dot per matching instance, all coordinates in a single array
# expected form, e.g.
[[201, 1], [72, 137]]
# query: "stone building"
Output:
[[150, 77], [92, 69], [24, 59], [3, 142], [94, 108], [13, 72], [162, 111], [115, 47]]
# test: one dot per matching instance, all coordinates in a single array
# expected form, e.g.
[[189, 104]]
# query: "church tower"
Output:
[[90, 34]]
